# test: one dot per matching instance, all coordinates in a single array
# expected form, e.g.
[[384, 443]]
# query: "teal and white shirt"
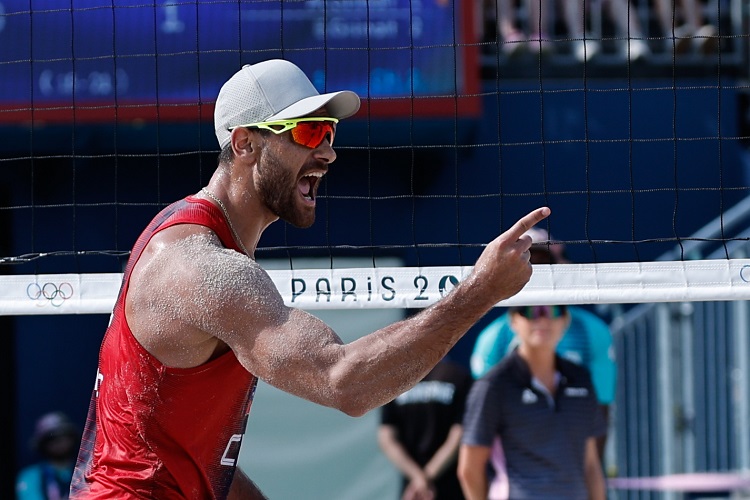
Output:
[[586, 342]]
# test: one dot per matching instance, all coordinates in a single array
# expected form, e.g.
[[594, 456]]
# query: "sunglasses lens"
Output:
[[535, 312], [312, 134]]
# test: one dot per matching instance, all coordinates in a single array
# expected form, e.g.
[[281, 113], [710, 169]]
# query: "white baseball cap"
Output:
[[274, 90]]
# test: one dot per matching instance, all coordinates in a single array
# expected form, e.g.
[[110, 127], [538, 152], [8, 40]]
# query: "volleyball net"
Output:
[[637, 144]]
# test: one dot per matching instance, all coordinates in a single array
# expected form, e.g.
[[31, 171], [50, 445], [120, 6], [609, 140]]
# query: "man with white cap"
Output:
[[198, 321]]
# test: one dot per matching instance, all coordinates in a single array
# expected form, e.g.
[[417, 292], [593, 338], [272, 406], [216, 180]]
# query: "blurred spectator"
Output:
[[624, 17], [543, 410], [586, 341], [420, 433], [56, 442], [516, 35], [684, 28]]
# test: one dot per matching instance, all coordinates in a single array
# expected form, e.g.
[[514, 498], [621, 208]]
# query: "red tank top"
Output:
[[155, 431]]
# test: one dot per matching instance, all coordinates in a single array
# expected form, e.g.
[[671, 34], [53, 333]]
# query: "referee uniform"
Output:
[[587, 341], [543, 435]]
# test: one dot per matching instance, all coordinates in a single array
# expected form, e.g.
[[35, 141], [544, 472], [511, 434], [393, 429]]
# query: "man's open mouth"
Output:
[[308, 185]]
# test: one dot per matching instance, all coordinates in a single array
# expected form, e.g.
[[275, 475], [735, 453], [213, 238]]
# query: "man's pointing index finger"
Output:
[[528, 221]]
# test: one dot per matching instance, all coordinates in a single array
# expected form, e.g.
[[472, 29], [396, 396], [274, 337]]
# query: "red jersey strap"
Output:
[[156, 431], [190, 210]]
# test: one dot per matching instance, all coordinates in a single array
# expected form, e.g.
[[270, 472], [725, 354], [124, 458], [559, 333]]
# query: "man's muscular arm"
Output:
[[231, 298], [299, 354]]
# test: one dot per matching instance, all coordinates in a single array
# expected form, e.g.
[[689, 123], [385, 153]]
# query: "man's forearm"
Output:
[[396, 357], [376, 368]]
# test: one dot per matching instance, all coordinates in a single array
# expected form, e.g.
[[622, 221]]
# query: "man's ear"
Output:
[[245, 142]]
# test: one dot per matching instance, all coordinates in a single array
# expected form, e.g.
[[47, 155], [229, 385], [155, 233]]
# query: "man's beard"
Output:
[[278, 190]]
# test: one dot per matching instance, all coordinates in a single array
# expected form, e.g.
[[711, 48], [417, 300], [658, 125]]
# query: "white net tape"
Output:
[[412, 287]]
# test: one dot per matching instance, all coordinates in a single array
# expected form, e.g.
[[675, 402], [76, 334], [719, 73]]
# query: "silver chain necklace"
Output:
[[229, 220]]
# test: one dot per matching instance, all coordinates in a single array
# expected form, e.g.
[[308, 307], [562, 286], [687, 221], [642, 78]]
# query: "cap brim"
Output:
[[342, 104]]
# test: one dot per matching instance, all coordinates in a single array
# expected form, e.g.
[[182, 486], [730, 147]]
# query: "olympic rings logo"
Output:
[[49, 293], [745, 273]]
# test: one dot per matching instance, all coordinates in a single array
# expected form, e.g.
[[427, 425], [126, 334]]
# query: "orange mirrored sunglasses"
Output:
[[309, 131]]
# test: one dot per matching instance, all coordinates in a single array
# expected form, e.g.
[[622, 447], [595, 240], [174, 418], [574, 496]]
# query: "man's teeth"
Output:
[[307, 190]]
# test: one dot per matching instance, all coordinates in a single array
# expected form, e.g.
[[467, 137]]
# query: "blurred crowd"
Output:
[[584, 29]]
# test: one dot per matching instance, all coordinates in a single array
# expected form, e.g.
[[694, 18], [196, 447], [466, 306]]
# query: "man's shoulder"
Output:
[[176, 255]]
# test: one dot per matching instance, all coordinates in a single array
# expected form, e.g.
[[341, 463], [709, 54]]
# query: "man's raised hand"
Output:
[[503, 268]]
